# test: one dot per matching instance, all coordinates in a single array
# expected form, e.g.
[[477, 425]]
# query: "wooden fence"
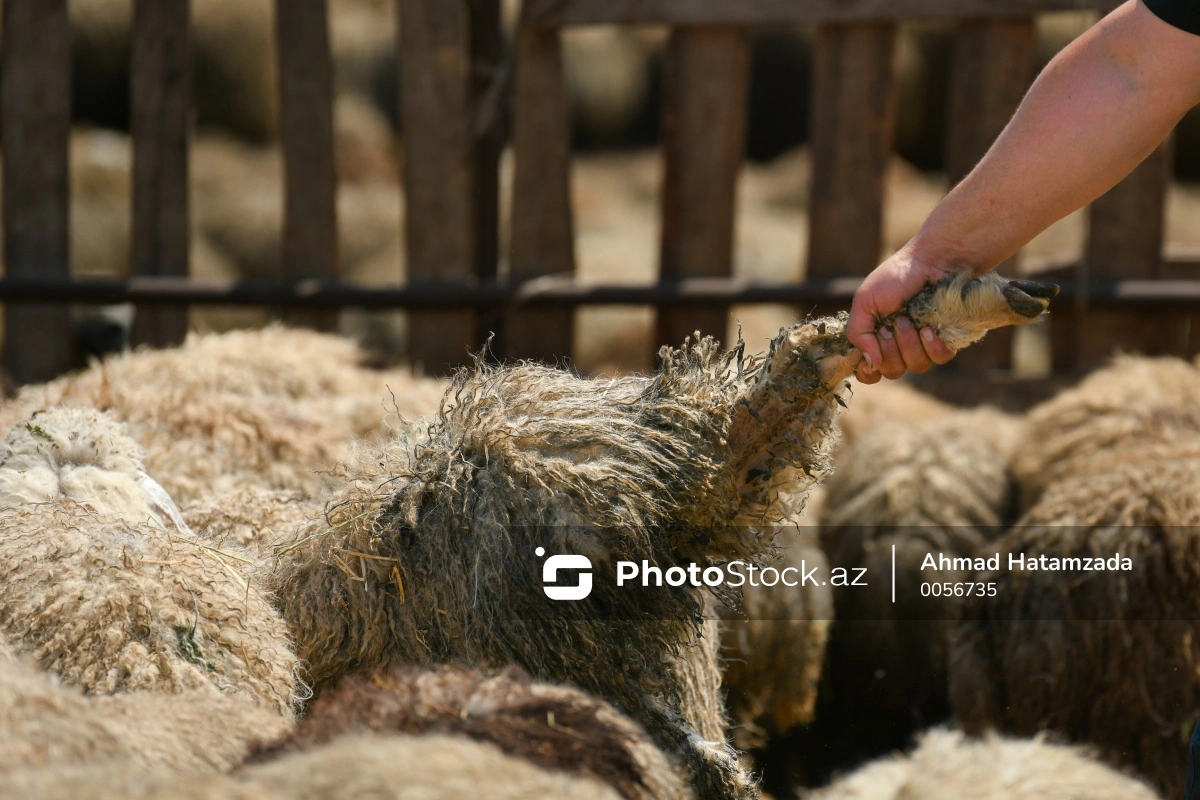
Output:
[[464, 96]]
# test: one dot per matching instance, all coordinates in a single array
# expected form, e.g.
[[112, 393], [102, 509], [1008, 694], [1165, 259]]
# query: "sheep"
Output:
[[267, 408], [108, 588], [885, 404], [930, 479], [948, 766], [1108, 466], [774, 644], [554, 727], [388, 768], [933, 487], [431, 554], [1150, 401], [44, 724], [1108, 658]]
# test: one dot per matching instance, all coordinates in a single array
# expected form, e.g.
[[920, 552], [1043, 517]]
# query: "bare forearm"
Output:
[[1095, 112]]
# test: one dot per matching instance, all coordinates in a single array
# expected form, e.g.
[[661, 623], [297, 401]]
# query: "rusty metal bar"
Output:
[[694, 292]]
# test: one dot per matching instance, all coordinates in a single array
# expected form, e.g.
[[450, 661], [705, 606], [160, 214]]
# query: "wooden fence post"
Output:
[[543, 239], [853, 116], [489, 87], [35, 112], [160, 100], [310, 246], [1125, 239], [704, 144], [448, 160], [992, 66]]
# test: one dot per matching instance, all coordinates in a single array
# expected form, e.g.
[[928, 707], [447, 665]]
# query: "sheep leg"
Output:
[[785, 419]]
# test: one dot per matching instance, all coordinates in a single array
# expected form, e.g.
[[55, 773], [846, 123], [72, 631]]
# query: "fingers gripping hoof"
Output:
[[962, 308], [783, 419]]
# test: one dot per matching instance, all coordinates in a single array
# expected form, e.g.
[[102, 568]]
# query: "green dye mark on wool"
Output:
[[190, 649], [38, 431]]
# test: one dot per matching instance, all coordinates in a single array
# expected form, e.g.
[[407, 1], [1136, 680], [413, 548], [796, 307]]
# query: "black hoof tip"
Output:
[[1029, 298]]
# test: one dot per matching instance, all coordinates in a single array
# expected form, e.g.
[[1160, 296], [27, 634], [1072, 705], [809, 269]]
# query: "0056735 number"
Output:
[[952, 589]]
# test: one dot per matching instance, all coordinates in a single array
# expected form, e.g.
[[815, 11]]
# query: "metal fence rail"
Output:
[[315, 293]]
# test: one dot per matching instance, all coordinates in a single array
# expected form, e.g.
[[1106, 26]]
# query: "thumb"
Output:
[[860, 331]]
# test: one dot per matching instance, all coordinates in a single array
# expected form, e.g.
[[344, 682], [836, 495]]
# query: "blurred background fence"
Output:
[[490, 235]]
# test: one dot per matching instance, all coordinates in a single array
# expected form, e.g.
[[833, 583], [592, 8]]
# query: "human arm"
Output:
[[1097, 110]]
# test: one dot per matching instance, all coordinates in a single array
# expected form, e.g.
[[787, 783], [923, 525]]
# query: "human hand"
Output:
[[890, 352]]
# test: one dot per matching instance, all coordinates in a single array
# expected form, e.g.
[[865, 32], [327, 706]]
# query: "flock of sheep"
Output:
[[254, 567], [247, 567]]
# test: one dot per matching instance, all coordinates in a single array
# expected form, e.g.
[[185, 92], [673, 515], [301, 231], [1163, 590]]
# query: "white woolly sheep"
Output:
[[197, 731], [1149, 403], [948, 766], [1108, 658], [385, 767], [106, 586], [269, 408], [924, 486]]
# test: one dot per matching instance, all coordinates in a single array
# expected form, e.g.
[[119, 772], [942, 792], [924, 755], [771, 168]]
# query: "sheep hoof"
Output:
[[1029, 298]]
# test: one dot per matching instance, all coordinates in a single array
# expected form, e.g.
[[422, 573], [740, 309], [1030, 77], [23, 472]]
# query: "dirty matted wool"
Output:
[[107, 587], [554, 727], [45, 724], [949, 766], [435, 550], [937, 486], [431, 556], [1135, 398], [1109, 658], [271, 408]]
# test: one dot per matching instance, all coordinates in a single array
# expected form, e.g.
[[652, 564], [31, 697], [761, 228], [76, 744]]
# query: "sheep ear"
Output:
[[1029, 298]]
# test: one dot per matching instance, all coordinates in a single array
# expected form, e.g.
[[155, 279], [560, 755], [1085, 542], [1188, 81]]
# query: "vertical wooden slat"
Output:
[[704, 141], [1125, 240], [306, 120], [489, 127], [35, 116], [993, 65], [439, 169], [853, 115], [543, 241], [160, 99], [489, 85]]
